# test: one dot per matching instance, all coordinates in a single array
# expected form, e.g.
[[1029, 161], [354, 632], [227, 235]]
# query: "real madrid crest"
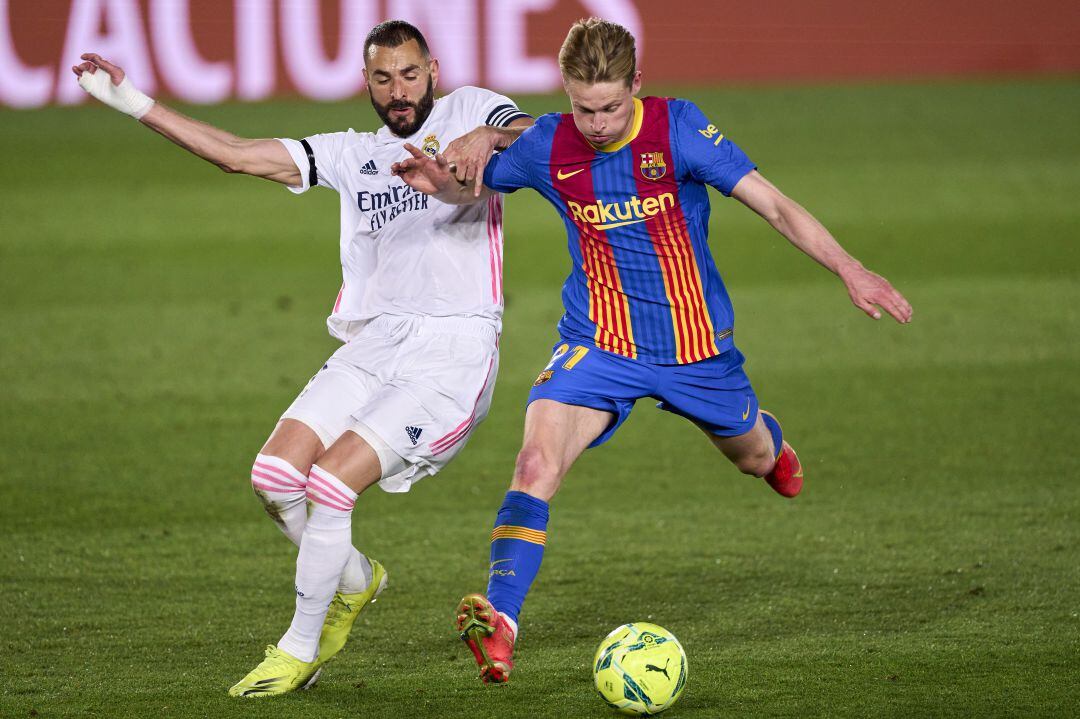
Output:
[[652, 165], [431, 146]]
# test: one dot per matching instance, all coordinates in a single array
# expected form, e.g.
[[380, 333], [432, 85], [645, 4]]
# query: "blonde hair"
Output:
[[598, 50]]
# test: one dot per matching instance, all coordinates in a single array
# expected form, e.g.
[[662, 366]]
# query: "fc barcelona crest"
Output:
[[431, 146], [544, 377], [652, 165]]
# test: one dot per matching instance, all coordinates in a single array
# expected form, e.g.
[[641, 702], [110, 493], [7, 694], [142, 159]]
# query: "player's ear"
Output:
[[433, 68], [367, 81], [635, 84]]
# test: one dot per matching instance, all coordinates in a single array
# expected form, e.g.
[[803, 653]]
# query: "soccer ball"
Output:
[[640, 669]]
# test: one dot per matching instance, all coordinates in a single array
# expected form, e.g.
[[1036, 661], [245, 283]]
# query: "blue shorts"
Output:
[[714, 394]]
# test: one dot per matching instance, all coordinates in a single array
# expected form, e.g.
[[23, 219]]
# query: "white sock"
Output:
[[282, 488], [357, 575], [324, 550], [283, 491], [512, 623]]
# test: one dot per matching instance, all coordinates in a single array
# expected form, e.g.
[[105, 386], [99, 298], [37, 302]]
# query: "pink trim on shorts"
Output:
[[446, 442], [337, 302], [499, 244], [494, 226]]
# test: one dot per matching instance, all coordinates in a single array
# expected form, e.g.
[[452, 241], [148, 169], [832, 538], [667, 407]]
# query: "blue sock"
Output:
[[517, 548], [774, 429]]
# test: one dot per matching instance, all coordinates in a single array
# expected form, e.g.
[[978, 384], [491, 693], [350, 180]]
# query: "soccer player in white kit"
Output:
[[419, 312]]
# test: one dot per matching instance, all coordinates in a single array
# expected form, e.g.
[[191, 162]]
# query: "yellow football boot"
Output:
[[343, 611], [279, 673]]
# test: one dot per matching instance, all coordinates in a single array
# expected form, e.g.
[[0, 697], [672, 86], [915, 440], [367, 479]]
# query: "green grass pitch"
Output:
[[156, 317]]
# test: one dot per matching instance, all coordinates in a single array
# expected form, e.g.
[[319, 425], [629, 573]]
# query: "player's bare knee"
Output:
[[294, 442], [533, 466], [535, 473]]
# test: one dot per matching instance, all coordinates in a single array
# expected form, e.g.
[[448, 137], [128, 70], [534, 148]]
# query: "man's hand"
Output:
[[431, 176], [868, 289], [111, 86], [94, 62], [468, 155]]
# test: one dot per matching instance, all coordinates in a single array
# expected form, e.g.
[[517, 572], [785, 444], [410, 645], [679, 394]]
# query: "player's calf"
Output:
[[756, 464], [324, 552], [762, 452]]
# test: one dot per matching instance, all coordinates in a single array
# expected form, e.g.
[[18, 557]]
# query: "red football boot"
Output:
[[488, 635], [786, 476]]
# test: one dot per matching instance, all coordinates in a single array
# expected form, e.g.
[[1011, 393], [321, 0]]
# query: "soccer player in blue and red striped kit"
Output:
[[647, 314]]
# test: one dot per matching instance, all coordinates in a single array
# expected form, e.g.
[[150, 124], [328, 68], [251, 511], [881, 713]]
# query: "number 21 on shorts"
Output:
[[575, 356]]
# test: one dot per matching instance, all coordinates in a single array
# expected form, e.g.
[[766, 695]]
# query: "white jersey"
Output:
[[403, 252]]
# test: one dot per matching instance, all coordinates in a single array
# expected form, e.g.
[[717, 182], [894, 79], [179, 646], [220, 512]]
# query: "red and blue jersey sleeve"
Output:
[[516, 166], [702, 152]]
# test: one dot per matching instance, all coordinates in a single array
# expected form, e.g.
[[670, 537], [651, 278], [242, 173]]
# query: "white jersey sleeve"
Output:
[[489, 108], [318, 158]]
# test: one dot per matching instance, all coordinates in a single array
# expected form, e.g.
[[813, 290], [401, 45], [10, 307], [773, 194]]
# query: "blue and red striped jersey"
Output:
[[644, 284]]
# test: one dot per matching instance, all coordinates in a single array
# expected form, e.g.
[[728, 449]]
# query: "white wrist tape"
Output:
[[123, 97]]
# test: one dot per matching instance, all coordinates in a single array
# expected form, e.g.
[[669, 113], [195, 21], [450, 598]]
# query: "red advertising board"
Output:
[[213, 50]]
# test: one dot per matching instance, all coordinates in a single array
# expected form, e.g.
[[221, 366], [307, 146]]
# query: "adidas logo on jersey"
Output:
[[414, 434], [370, 169]]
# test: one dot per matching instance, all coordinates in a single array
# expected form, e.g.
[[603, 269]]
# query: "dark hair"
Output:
[[393, 33]]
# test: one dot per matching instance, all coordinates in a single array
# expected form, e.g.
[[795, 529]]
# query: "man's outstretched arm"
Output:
[[261, 158], [867, 290]]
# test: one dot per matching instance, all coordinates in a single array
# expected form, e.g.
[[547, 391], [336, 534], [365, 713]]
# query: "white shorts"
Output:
[[413, 387]]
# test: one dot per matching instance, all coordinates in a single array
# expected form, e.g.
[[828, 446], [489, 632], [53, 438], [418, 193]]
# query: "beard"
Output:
[[402, 127]]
